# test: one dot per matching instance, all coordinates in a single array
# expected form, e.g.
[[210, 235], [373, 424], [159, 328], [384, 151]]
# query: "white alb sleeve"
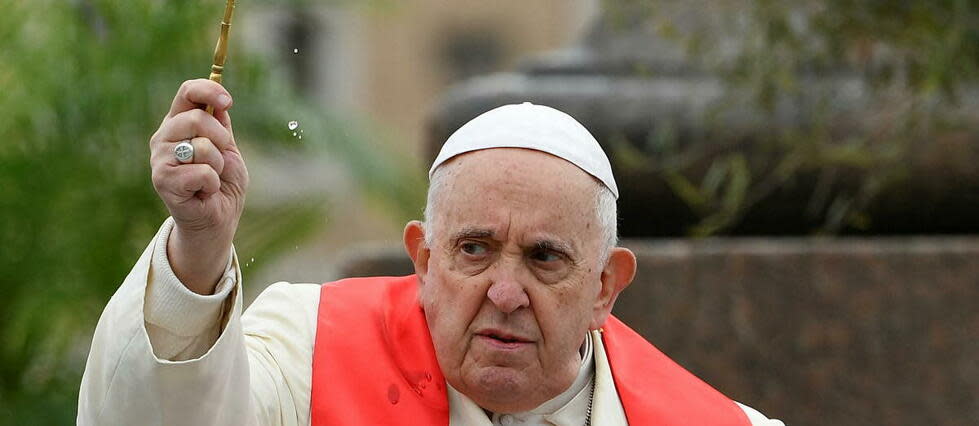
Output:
[[125, 382], [164, 355], [181, 324]]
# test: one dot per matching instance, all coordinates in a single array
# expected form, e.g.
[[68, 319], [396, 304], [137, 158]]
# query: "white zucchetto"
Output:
[[530, 126]]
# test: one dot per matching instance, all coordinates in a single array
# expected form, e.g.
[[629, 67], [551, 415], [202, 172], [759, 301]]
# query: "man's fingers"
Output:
[[224, 118], [206, 153], [235, 171], [187, 179], [193, 123], [193, 94]]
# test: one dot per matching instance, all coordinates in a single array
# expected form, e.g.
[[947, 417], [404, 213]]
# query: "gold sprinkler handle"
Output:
[[221, 50]]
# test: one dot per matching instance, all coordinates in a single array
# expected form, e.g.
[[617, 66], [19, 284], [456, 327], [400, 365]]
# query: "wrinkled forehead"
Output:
[[517, 192]]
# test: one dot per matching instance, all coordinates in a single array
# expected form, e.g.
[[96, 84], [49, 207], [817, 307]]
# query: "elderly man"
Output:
[[507, 320]]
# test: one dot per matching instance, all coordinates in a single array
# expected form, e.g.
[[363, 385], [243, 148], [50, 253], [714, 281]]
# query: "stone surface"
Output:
[[842, 332], [811, 331]]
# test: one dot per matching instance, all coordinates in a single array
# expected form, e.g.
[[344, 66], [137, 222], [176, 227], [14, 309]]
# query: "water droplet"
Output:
[[300, 136], [253, 259], [418, 381], [293, 125], [294, 134], [394, 395], [295, 51]]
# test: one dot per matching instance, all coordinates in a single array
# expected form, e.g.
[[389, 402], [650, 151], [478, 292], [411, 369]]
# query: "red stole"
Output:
[[374, 364]]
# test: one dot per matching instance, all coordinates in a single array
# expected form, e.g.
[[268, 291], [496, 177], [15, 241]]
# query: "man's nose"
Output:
[[507, 294]]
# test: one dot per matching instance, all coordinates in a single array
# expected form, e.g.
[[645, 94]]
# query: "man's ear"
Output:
[[617, 275], [414, 240]]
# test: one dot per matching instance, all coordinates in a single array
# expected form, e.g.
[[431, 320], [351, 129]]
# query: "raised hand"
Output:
[[205, 196]]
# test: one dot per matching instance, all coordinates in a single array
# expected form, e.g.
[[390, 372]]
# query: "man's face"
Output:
[[513, 276]]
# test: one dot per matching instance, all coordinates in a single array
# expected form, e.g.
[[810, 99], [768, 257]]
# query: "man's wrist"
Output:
[[198, 261], [182, 324]]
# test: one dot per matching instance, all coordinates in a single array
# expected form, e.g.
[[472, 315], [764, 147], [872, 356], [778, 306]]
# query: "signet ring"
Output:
[[184, 152]]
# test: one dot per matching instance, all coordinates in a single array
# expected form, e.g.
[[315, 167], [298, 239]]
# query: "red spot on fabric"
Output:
[[394, 395]]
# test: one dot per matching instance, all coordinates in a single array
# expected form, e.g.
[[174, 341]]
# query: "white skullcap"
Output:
[[530, 126]]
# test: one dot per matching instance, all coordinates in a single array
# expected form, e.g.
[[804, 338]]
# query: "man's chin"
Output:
[[501, 389]]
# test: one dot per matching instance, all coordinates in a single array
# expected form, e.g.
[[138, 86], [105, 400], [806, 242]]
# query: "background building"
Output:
[[389, 61], [385, 64]]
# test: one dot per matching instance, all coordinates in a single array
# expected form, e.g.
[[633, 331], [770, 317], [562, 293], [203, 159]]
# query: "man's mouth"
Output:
[[500, 338]]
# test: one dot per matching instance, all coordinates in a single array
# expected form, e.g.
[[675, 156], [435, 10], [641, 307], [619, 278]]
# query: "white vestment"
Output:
[[162, 355]]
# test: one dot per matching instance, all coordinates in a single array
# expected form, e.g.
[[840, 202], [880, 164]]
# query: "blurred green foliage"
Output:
[[914, 59], [83, 85]]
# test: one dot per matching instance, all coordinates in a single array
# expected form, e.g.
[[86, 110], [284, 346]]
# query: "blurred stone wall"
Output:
[[820, 332], [810, 331]]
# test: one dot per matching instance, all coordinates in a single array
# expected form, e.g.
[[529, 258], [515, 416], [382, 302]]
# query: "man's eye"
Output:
[[474, 249], [544, 256]]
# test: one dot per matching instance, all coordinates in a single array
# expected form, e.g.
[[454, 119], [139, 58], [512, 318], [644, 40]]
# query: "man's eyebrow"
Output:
[[554, 245], [473, 233]]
